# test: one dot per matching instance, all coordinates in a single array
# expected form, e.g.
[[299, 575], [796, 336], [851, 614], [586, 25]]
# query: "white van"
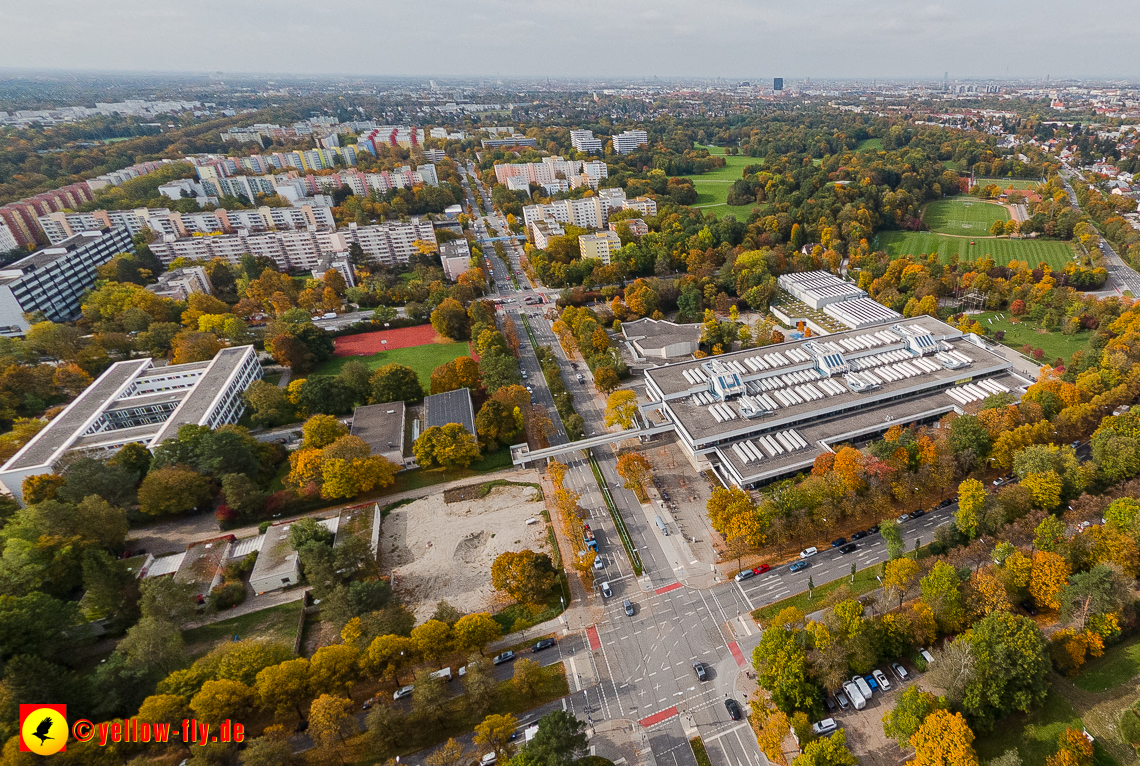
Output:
[[661, 525], [444, 674], [861, 683], [856, 696]]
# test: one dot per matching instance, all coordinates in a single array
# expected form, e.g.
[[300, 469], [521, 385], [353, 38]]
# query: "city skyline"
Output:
[[822, 39]]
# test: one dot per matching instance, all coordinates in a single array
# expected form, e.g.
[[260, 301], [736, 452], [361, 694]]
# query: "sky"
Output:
[[746, 39]]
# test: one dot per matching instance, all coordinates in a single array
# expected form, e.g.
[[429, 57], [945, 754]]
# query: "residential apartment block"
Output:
[[599, 246], [554, 174], [456, 257], [637, 226], [53, 280], [584, 141], [166, 223], [508, 142], [388, 243], [586, 213], [135, 401], [180, 284], [628, 141], [7, 238]]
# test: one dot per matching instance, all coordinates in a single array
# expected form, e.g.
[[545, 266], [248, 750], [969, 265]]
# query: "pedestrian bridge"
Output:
[[521, 454]]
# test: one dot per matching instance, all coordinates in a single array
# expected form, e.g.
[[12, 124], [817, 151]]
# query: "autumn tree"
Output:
[[331, 721], [450, 320], [525, 576], [941, 592], [606, 380], [890, 532], [1048, 579], [173, 489], [827, 751], [449, 446], [621, 409], [220, 699], [782, 666], [282, 687], [497, 424], [634, 468], [910, 711], [394, 383], [971, 500], [496, 731], [900, 577], [944, 739], [472, 632], [1011, 667]]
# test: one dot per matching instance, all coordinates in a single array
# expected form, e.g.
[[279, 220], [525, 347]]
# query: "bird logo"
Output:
[[43, 729]]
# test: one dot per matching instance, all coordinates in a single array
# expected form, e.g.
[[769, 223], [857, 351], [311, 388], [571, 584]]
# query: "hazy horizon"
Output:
[[739, 39]]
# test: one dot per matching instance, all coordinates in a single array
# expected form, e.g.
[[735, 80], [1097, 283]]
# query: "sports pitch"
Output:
[[965, 217], [1033, 251], [1008, 183]]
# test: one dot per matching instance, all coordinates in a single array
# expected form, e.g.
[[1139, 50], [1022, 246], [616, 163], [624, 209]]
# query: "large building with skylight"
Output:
[[763, 414]]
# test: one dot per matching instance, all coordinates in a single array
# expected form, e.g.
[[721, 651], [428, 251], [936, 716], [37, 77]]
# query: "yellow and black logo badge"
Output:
[[43, 729]]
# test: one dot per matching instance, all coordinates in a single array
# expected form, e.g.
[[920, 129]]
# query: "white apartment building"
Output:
[[628, 141], [553, 170], [541, 232], [134, 401], [166, 223], [53, 280], [388, 243], [455, 255], [7, 240], [180, 284], [600, 246], [584, 141]]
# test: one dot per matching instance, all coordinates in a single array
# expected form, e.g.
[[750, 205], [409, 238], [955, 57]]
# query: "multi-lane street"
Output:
[[1121, 276]]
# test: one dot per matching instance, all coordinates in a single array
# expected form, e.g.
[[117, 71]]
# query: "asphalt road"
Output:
[[1122, 276]]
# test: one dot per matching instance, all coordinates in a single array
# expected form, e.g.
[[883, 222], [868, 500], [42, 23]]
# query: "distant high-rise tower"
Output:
[[777, 83], [945, 81]]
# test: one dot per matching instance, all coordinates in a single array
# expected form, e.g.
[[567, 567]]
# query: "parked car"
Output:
[[744, 574], [881, 677], [871, 682], [829, 703], [856, 695], [859, 535], [799, 566], [404, 691], [733, 709], [808, 552], [761, 569], [545, 643], [841, 698], [488, 759], [862, 685], [926, 655], [824, 727], [628, 606], [837, 542], [904, 518], [850, 547], [918, 513], [702, 674], [874, 530], [606, 591], [499, 659], [899, 671]]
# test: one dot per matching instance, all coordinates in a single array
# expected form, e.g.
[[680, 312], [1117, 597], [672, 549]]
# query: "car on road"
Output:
[[824, 727], [744, 574], [899, 671], [545, 643], [699, 669], [881, 677], [918, 513], [904, 518], [606, 591], [733, 709], [873, 530], [841, 698], [499, 659], [859, 535], [599, 562], [849, 548], [839, 541], [946, 503], [628, 606], [761, 569], [799, 566], [403, 691], [808, 552]]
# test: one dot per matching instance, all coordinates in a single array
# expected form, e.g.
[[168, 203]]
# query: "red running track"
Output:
[[368, 343]]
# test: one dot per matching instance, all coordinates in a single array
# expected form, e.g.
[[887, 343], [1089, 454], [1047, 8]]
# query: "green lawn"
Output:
[[1054, 344], [964, 216], [870, 145], [423, 359], [1008, 183], [277, 623], [865, 582], [1035, 735], [1119, 664], [950, 165], [732, 170], [1003, 250]]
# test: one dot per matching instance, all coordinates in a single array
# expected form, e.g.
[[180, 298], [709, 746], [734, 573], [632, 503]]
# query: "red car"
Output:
[[761, 569]]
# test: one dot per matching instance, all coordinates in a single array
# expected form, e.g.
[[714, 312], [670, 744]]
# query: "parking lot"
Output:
[[864, 727]]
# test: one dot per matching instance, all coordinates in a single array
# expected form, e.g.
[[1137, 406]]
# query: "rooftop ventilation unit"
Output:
[[860, 383]]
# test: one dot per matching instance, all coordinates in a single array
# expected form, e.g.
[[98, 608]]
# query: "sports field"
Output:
[[1008, 183], [964, 216], [1054, 344], [870, 145], [1033, 251], [422, 356]]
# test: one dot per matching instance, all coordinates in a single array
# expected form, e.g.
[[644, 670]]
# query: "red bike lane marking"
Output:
[[595, 641], [736, 653], [667, 588], [664, 715]]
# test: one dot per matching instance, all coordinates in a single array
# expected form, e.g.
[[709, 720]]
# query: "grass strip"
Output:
[[699, 752], [619, 522]]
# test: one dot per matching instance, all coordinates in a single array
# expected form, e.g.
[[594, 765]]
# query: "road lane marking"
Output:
[[736, 728]]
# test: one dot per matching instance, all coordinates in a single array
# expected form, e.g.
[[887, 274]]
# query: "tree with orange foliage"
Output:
[[944, 739]]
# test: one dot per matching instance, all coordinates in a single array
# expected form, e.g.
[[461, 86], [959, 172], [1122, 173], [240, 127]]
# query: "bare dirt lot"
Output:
[[436, 550]]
